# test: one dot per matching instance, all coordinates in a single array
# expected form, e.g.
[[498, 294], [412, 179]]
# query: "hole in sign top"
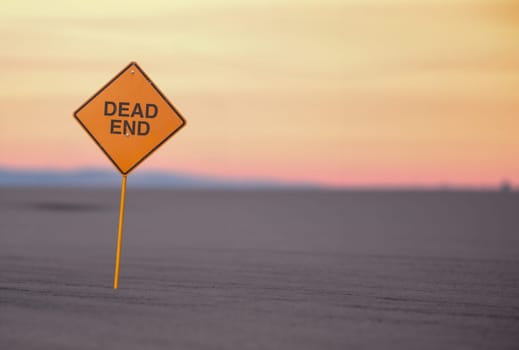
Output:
[[129, 118]]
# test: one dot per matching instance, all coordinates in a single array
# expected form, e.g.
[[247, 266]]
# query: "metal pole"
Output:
[[120, 233]]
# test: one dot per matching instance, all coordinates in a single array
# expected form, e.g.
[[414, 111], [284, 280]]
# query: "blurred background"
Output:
[[414, 102], [325, 93]]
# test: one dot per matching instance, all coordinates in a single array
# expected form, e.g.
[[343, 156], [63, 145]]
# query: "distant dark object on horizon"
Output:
[[505, 186]]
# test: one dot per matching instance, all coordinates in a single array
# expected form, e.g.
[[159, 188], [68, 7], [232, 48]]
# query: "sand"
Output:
[[259, 270]]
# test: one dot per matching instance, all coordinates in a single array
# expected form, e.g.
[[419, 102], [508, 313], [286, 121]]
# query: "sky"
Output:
[[339, 93]]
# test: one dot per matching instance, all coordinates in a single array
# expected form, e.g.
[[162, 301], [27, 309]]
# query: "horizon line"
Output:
[[218, 181]]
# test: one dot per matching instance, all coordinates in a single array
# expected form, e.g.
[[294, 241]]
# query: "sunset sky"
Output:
[[340, 93]]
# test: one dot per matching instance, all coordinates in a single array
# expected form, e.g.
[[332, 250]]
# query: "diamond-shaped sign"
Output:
[[129, 118]]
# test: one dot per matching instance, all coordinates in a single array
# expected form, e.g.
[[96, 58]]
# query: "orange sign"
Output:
[[129, 118]]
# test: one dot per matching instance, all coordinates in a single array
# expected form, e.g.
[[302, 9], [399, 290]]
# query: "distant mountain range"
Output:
[[149, 179], [164, 179]]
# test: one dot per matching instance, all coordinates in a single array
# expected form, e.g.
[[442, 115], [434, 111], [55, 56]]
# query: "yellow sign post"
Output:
[[120, 233], [129, 118]]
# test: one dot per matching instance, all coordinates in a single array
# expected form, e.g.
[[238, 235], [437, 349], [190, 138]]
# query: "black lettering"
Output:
[[123, 108], [115, 126], [137, 110], [110, 105], [129, 127], [143, 128], [151, 110]]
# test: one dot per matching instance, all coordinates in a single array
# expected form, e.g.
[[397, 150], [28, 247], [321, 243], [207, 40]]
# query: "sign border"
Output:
[[133, 63]]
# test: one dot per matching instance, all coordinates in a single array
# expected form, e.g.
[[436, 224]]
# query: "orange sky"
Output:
[[337, 92]]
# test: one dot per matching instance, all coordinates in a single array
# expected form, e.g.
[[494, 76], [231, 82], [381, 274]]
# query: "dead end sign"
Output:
[[129, 118]]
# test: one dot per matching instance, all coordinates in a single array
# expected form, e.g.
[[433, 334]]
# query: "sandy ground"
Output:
[[259, 270]]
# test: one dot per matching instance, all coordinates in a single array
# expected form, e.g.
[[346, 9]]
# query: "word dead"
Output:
[[136, 123]]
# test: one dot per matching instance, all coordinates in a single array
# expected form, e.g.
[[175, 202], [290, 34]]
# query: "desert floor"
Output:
[[259, 270]]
